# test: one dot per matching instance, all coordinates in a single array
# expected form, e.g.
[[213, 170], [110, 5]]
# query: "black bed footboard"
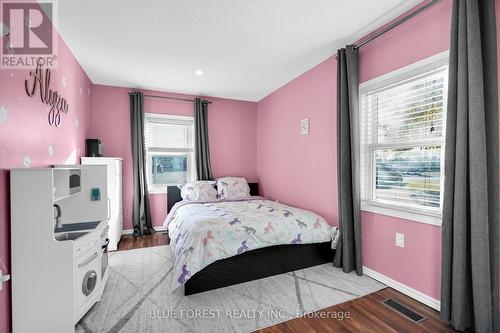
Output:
[[257, 264]]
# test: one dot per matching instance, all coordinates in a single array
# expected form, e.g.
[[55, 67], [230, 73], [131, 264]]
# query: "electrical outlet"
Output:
[[304, 126], [400, 240]]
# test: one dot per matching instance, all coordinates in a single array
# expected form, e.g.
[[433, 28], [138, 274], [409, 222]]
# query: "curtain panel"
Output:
[[141, 211], [202, 149], [348, 253], [470, 252]]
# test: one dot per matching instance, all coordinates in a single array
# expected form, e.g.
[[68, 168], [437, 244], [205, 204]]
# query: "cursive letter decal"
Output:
[[49, 97]]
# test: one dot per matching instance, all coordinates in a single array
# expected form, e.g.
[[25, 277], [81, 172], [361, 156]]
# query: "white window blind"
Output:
[[168, 134], [169, 147], [402, 137]]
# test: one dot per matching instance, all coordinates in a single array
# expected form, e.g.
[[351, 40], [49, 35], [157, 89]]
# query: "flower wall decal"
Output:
[[4, 114], [27, 161]]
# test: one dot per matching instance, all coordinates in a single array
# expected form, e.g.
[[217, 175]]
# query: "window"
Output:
[[402, 141], [169, 150]]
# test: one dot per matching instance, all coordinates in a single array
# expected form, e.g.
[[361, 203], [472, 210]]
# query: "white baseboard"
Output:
[[131, 231], [417, 295]]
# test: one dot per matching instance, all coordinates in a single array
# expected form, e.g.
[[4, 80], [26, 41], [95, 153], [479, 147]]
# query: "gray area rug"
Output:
[[137, 297]]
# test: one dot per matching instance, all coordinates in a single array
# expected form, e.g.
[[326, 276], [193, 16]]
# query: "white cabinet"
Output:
[[115, 209]]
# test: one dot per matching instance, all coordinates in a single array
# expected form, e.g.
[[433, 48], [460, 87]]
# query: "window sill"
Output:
[[406, 213], [157, 191]]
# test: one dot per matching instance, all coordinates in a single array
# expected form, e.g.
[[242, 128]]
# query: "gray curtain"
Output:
[[348, 253], [202, 149], [469, 272], [141, 212]]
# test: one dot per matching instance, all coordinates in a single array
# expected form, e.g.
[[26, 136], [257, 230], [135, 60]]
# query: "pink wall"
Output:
[[232, 135], [247, 139], [418, 265], [290, 165], [25, 133], [301, 170]]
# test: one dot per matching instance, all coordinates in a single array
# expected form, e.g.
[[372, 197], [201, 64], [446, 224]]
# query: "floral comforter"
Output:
[[204, 232]]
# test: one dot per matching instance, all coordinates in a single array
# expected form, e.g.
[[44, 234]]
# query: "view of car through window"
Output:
[[402, 138], [411, 175], [168, 170]]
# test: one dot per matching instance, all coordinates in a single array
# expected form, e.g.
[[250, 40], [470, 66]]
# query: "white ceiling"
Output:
[[246, 48]]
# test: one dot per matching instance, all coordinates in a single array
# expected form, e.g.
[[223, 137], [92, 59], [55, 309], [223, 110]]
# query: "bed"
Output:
[[222, 243]]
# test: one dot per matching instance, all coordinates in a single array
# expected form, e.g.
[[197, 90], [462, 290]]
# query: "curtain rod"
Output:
[[176, 98], [402, 20]]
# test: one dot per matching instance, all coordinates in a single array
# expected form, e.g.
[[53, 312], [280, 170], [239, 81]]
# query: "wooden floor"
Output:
[[129, 242], [366, 314]]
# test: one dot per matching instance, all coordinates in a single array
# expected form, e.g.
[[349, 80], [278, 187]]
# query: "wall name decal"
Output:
[[58, 104]]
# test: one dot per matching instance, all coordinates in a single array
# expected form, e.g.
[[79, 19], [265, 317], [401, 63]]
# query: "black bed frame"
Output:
[[255, 264]]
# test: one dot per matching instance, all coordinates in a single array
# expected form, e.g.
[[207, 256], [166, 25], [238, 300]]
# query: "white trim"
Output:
[[191, 164], [127, 231], [414, 215], [131, 231], [178, 151], [392, 209], [429, 63], [413, 293], [103, 158], [158, 189], [169, 116]]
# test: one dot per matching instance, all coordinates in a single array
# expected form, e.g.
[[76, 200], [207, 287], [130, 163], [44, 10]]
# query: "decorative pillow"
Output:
[[202, 190], [232, 188]]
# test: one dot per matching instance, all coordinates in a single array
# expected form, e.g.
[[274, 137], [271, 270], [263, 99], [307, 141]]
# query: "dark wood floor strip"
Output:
[[368, 314], [129, 242]]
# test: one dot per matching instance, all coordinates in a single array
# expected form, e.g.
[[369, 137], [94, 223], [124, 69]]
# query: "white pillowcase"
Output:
[[202, 190], [233, 188]]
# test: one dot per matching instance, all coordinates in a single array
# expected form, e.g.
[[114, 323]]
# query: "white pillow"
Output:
[[233, 188], [202, 190]]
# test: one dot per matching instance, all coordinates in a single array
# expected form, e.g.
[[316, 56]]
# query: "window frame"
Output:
[[406, 211], [150, 151]]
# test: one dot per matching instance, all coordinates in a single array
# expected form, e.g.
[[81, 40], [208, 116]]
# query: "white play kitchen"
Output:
[[58, 245]]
